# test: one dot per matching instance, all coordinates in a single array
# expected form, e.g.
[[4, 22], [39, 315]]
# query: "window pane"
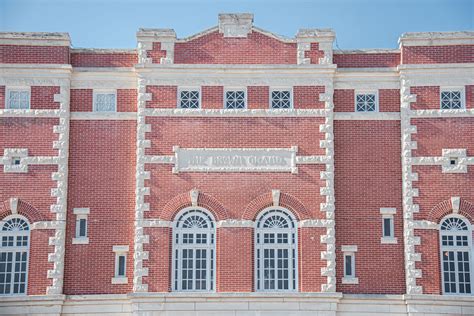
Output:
[[82, 227], [348, 265], [387, 227], [121, 265], [281, 99]]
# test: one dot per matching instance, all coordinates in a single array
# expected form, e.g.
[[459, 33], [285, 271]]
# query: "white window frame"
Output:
[[81, 213], [461, 89], [189, 88], [259, 245], [96, 92], [272, 89], [388, 213], [16, 249], [364, 92], [349, 251], [456, 248], [10, 89], [120, 251], [210, 245], [229, 89]]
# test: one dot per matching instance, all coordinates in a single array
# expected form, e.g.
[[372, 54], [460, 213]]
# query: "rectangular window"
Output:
[[388, 229], [349, 265], [81, 227], [121, 262], [388, 226], [452, 98], [120, 274], [189, 98], [18, 98], [82, 215], [281, 99], [366, 101], [105, 101], [235, 99], [348, 253]]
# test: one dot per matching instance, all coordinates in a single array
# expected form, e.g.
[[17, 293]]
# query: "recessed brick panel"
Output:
[[42, 98], [38, 264], [84, 59], [213, 48], [366, 60], [449, 54], [102, 178], [366, 179], [23, 54]]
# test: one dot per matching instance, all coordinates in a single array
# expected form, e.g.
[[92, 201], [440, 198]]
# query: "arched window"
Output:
[[456, 240], [194, 250], [276, 251], [14, 248]]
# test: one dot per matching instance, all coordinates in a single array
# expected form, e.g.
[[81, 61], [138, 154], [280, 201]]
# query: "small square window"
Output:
[[16, 161], [189, 99], [235, 99], [453, 161], [366, 102], [105, 101], [18, 99], [452, 99], [281, 99]]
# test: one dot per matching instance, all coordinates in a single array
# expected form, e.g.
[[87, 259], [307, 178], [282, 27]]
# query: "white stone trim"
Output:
[[120, 248], [443, 113], [423, 224], [60, 192], [237, 112], [455, 203], [438, 74], [409, 208], [367, 116], [29, 113], [346, 280], [235, 223], [436, 38], [80, 241], [103, 78], [119, 116], [235, 25], [35, 38], [349, 248], [460, 156], [119, 280], [81, 211], [388, 240], [316, 223], [155, 223], [7, 160], [276, 197], [388, 210], [46, 225], [13, 205]]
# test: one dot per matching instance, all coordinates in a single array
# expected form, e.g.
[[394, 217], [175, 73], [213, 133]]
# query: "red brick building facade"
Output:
[[237, 172]]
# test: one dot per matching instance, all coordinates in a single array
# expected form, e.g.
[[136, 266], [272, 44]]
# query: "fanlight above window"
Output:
[[15, 225], [454, 224], [194, 219]]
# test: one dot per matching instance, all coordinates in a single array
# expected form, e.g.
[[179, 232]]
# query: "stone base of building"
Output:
[[238, 304]]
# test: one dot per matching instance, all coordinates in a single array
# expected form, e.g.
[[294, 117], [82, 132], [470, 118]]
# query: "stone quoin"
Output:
[[237, 172]]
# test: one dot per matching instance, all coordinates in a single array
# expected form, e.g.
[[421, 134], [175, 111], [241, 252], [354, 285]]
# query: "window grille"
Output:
[[276, 251], [14, 251]]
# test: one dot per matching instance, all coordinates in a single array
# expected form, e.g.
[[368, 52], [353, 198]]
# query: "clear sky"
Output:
[[358, 24]]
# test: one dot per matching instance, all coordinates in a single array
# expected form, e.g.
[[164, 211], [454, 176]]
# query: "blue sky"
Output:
[[358, 24]]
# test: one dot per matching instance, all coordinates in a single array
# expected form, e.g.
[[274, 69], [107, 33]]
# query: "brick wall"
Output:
[[366, 60], [438, 54], [367, 179], [102, 178], [314, 54], [430, 261], [213, 48], [82, 100], [38, 264], [156, 53], [344, 100], [22, 54], [84, 59]]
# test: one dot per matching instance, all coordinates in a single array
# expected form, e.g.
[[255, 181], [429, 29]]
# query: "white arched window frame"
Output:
[[194, 250], [14, 253], [276, 251], [456, 255]]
